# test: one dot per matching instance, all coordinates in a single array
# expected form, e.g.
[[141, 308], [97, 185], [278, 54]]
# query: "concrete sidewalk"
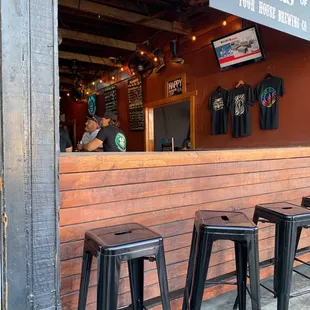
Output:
[[226, 301]]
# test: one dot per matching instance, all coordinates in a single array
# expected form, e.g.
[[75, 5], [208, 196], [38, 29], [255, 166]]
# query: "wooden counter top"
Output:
[[78, 162]]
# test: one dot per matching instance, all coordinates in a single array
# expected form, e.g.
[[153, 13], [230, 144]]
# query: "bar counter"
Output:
[[163, 191]]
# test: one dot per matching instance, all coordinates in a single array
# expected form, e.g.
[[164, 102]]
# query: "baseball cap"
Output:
[[95, 118], [111, 115]]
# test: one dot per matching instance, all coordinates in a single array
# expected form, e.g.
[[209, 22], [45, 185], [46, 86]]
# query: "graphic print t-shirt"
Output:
[[267, 93], [218, 104], [113, 139], [240, 102]]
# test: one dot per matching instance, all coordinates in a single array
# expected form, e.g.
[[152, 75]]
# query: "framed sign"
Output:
[[110, 98], [176, 85], [91, 101], [136, 112], [290, 16]]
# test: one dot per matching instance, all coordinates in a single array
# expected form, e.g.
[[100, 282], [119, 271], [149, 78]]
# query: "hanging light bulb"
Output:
[[224, 23], [87, 93], [68, 94], [93, 83], [122, 69], [113, 78], [194, 38], [142, 53], [100, 81], [155, 59]]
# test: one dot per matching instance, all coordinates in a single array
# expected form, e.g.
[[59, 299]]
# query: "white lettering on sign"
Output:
[[304, 2], [267, 10], [175, 84], [288, 19], [289, 2], [248, 4]]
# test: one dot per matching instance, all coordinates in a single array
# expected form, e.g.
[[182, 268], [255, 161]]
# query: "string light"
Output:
[[113, 78], [142, 53], [224, 23], [59, 98], [194, 38], [155, 59], [93, 83], [100, 81], [122, 69], [87, 93], [68, 94]]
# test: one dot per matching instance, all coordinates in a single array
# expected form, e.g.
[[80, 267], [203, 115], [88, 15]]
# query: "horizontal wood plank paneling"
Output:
[[163, 191]]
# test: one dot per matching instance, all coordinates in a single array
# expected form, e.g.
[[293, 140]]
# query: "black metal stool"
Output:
[[112, 245], [211, 226], [289, 219]]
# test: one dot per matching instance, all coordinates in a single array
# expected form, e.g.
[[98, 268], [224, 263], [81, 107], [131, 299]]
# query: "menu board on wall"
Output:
[[136, 112], [110, 98], [176, 86], [290, 16]]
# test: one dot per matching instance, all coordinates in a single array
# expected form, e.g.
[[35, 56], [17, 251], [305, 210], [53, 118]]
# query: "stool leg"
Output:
[[202, 260], [253, 260], [190, 270], [108, 282], [299, 231], [241, 269], [276, 258], [287, 246], [136, 276], [85, 276], [162, 277], [256, 216]]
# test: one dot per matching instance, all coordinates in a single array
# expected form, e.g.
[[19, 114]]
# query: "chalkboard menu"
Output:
[[110, 98], [176, 86], [136, 112]]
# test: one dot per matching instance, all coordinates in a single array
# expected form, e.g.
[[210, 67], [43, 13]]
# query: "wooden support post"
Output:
[[29, 139]]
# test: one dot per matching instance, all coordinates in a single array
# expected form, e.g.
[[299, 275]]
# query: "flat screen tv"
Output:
[[239, 48]]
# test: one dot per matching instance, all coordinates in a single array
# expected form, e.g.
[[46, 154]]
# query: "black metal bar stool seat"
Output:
[[216, 225], [111, 245], [289, 219]]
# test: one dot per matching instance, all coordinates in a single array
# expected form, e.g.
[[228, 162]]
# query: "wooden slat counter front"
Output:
[[163, 191]]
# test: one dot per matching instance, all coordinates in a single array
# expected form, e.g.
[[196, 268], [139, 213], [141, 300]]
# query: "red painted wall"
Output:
[[286, 56]]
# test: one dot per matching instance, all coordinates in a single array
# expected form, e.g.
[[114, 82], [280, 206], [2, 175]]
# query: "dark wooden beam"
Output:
[[95, 39], [134, 18], [88, 58]]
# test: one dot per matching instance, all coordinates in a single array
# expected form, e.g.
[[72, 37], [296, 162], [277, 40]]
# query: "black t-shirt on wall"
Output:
[[240, 101], [218, 104], [113, 139], [267, 93]]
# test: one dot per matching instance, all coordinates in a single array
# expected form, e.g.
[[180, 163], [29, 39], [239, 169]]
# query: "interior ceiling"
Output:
[[108, 28]]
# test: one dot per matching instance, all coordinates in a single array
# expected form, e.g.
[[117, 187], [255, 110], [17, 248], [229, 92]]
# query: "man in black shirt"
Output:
[[65, 142], [110, 136]]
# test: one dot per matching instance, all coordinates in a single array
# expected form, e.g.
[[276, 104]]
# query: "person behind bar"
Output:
[[64, 142], [92, 127], [110, 136]]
